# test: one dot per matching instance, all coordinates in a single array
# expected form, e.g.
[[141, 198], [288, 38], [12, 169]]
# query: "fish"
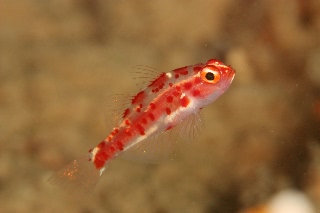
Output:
[[168, 100]]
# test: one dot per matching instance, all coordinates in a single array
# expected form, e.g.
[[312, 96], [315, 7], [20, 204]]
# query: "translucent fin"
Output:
[[153, 150], [190, 128], [115, 104], [79, 177], [144, 75], [113, 108], [161, 146]]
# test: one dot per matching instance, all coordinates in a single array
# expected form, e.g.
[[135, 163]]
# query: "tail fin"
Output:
[[79, 177]]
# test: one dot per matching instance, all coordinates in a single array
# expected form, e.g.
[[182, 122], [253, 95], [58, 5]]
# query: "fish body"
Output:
[[167, 101]]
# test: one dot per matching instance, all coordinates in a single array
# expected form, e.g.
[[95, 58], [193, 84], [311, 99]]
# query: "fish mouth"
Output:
[[225, 86]]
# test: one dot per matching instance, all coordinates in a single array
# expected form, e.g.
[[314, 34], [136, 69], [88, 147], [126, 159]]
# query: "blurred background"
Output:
[[60, 60]]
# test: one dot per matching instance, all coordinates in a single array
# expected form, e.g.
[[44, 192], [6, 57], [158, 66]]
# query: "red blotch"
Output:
[[98, 163], [170, 84], [169, 99], [90, 150], [176, 93], [140, 129], [151, 116], [128, 132], [100, 158], [176, 75], [168, 128], [126, 112], [115, 131], [196, 93], [112, 149], [197, 80], [119, 144], [181, 71], [185, 101], [102, 155], [102, 145], [144, 121], [197, 69], [127, 122], [187, 85], [159, 81], [168, 111], [138, 98], [152, 106]]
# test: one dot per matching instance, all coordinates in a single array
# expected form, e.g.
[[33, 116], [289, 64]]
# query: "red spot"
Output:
[[144, 121], [114, 132], [152, 106], [138, 109], [185, 101], [100, 158], [119, 145], [161, 86], [169, 99], [176, 93], [102, 145], [159, 81], [170, 84], [168, 128], [196, 93], [127, 122], [168, 111], [181, 71], [126, 112], [197, 80], [140, 129], [178, 88], [176, 75], [98, 163], [187, 85], [127, 131], [197, 69], [151, 116], [112, 149], [102, 155], [138, 98], [90, 150]]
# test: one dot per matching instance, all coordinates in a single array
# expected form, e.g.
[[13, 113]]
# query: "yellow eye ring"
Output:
[[209, 75]]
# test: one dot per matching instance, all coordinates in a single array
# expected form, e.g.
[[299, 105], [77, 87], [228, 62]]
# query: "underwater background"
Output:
[[60, 60]]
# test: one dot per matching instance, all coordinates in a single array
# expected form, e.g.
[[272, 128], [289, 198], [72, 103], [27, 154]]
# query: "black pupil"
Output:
[[210, 76]]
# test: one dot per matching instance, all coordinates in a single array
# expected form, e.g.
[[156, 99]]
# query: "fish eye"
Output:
[[210, 76]]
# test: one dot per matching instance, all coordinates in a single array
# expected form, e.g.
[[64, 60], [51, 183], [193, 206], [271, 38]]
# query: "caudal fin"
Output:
[[79, 177]]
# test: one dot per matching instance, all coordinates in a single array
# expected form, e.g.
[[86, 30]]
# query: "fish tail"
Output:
[[79, 177]]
